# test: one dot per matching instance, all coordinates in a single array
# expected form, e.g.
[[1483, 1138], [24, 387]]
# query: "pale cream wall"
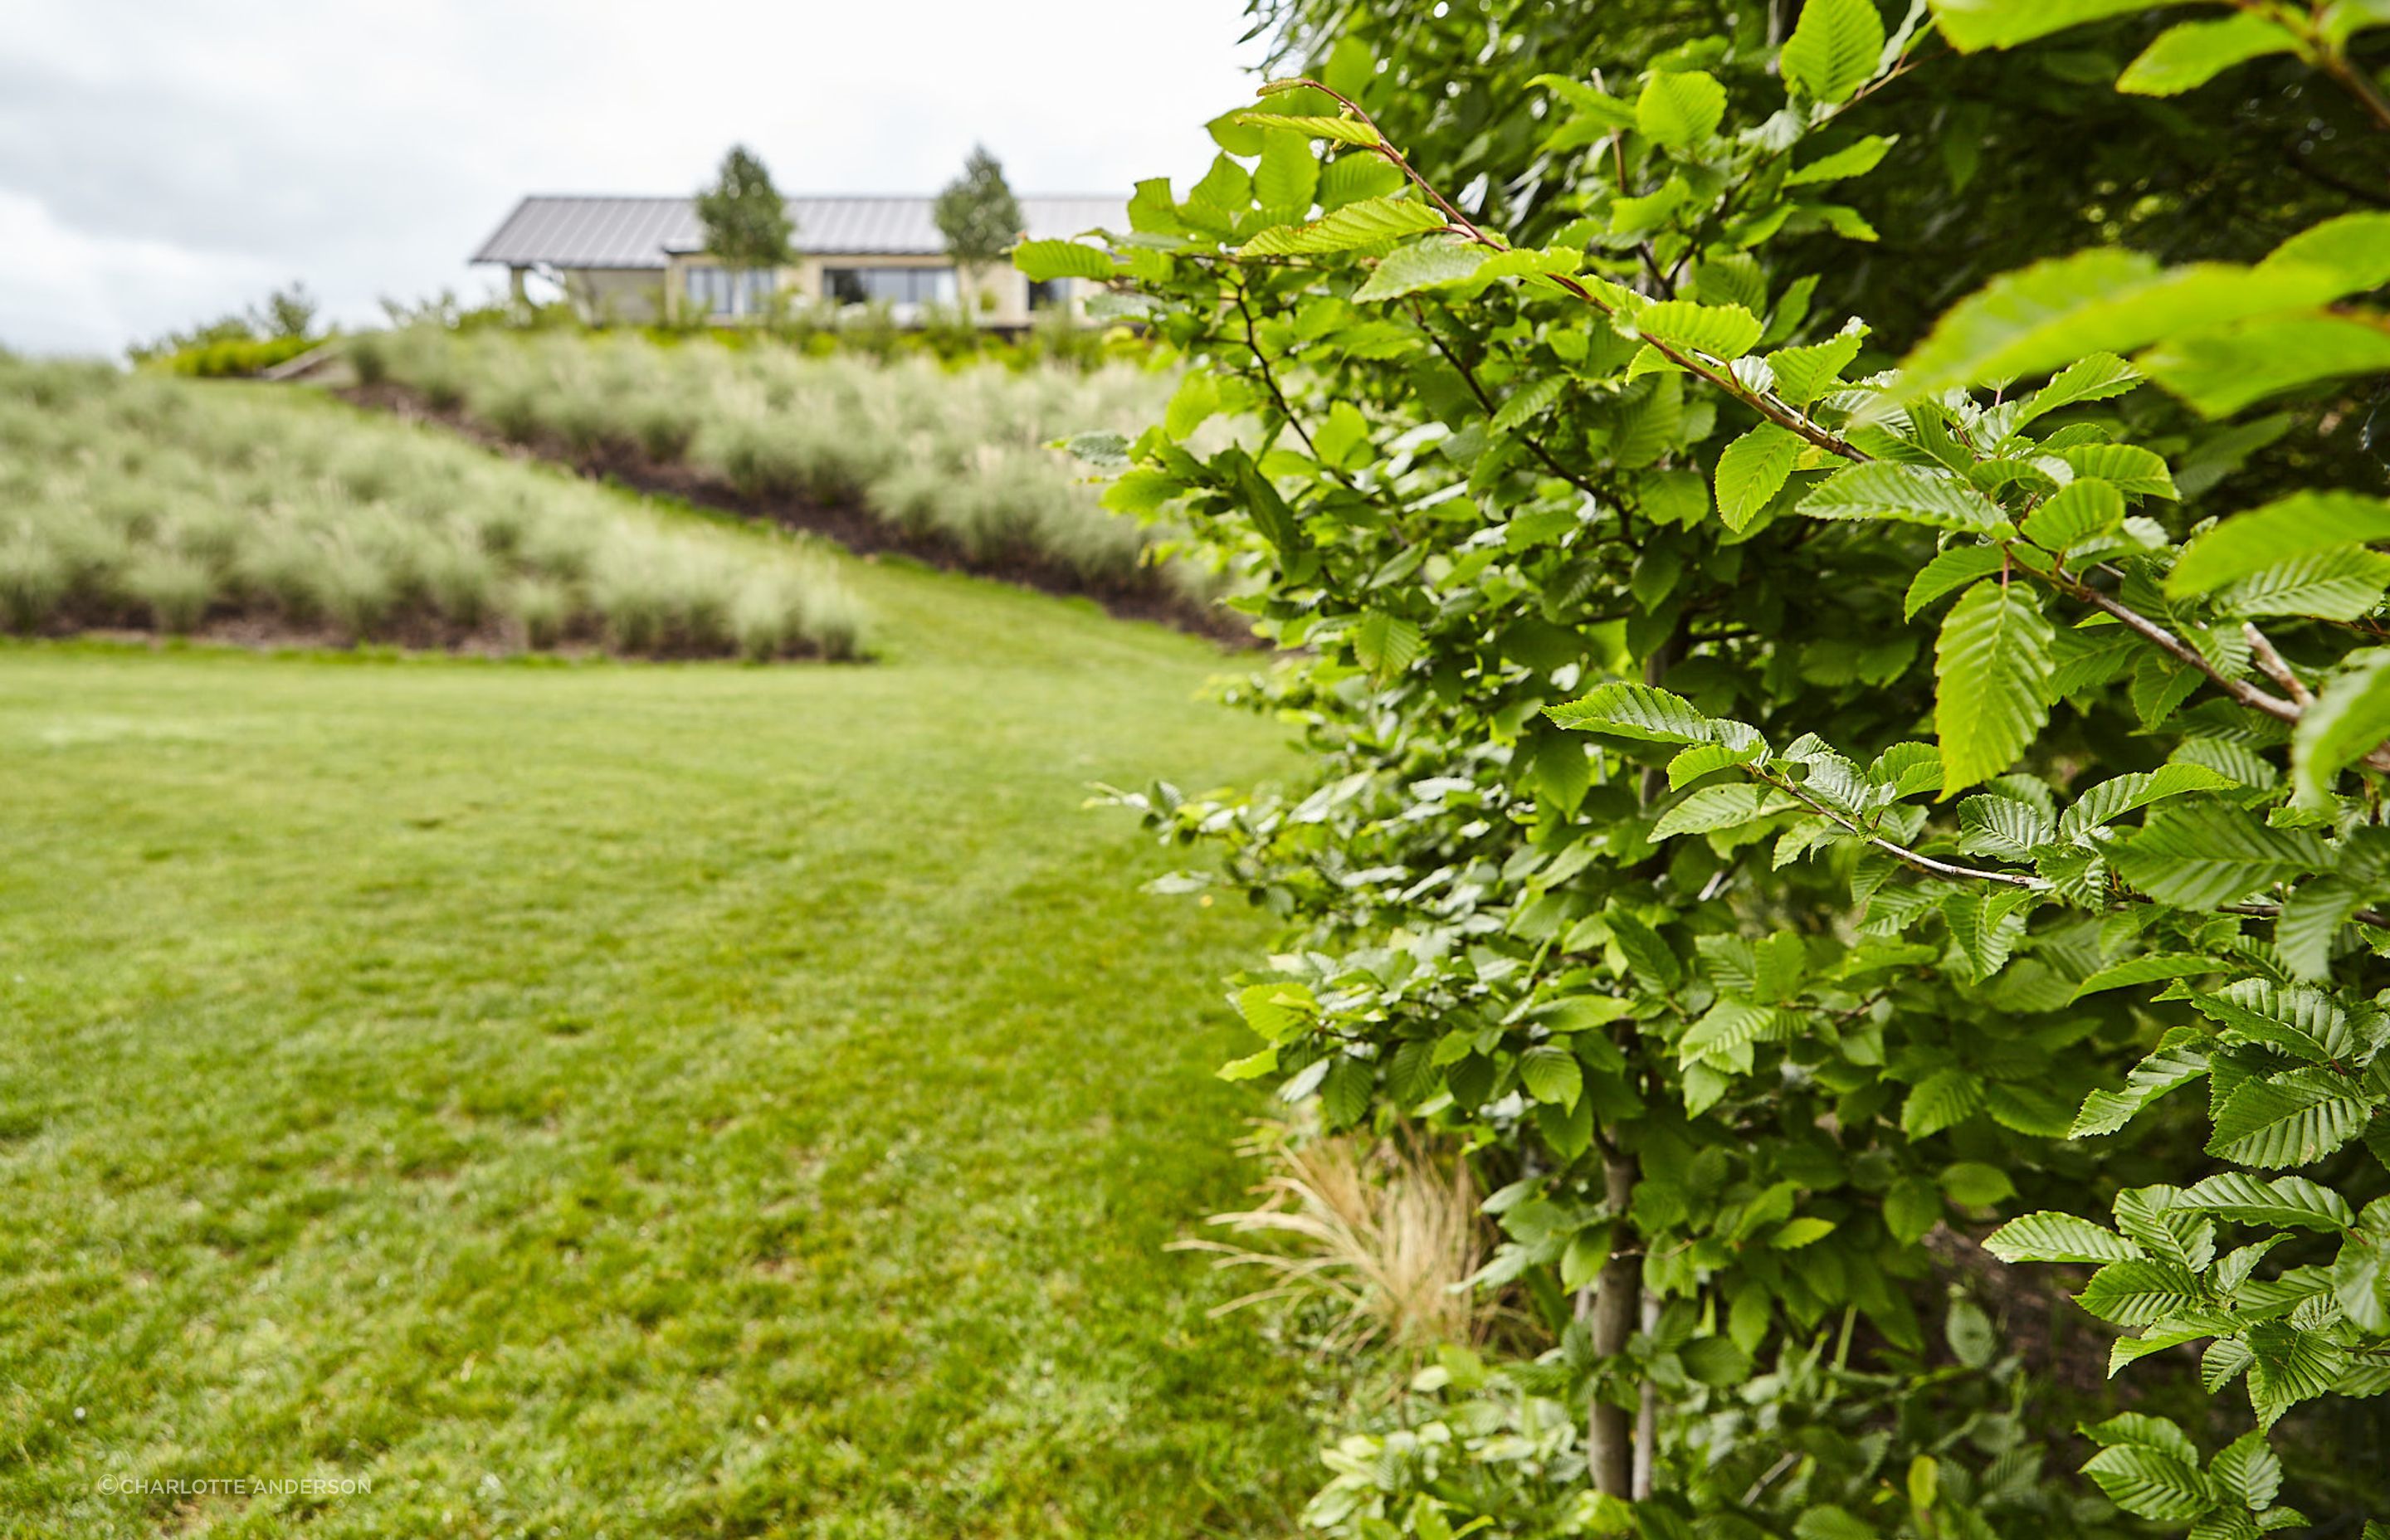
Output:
[[803, 281], [633, 296]]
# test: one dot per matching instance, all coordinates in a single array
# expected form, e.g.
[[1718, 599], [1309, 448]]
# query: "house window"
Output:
[[728, 291], [1050, 294], [893, 286]]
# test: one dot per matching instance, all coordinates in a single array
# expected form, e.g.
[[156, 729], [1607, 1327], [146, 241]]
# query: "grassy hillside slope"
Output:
[[623, 1100]]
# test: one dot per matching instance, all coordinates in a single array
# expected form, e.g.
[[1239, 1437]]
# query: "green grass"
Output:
[[623, 1099]]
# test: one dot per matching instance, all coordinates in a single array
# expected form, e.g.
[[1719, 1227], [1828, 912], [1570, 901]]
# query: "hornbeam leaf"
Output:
[[2094, 377], [1973, 24], [2248, 1471], [1804, 374], [1853, 159], [2114, 798], [1941, 1099], [2298, 525], [1992, 668], [2099, 300], [2310, 923], [2193, 53], [1344, 130], [1712, 807], [1606, 109], [2106, 1112], [1752, 470], [2220, 371], [2207, 854], [1723, 331], [2340, 586], [1428, 265], [1639, 711], [2140, 1480], [2355, 246], [2348, 721], [2286, 1200], [1733, 1024], [2290, 1120], [2140, 1292], [1529, 402], [2083, 508], [1043, 261], [1680, 108], [1289, 174], [1955, 567], [2052, 1236], [1551, 1074], [2147, 970], [1835, 49], [1370, 221], [1913, 494]]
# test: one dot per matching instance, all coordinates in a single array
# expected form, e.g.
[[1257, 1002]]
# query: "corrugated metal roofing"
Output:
[[640, 232]]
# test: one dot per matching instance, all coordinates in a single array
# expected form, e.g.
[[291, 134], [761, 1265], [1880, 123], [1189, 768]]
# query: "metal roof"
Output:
[[641, 232]]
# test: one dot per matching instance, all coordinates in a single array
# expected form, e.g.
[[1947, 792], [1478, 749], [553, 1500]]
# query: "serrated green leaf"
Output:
[[2300, 524], [2290, 1120], [2096, 376], [2083, 508], [1289, 174], [1680, 109], [1992, 675], [1804, 374], [2218, 372], [1042, 261], [1551, 1074], [1733, 1024], [2149, 969], [1911, 493], [2285, 1201], [1714, 807], [2052, 1236], [1641, 712], [1370, 221], [1973, 24], [1427, 264], [2106, 1112], [2348, 722], [1751, 470], [1529, 402], [1952, 569], [2140, 1292], [1853, 159], [2249, 1472], [1723, 331], [2205, 853], [2193, 53], [2141, 1481], [1940, 1100], [1833, 48], [2102, 301], [1342, 131]]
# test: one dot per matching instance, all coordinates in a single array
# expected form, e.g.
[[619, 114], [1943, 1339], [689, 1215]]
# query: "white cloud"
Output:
[[176, 161], [62, 290]]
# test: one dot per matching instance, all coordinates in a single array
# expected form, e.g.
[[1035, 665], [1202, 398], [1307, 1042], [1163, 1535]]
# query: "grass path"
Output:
[[623, 1100]]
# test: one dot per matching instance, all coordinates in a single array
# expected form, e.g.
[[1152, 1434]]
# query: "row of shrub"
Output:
[[134, 501], [951, 455]]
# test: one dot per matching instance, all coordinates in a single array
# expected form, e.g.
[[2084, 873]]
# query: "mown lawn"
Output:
[[623, 1099]]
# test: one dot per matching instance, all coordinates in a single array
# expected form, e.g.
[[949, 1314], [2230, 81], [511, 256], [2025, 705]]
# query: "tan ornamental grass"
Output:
[[1385, 1231]]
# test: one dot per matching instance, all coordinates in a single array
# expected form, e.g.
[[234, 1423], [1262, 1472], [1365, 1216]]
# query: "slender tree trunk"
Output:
[[1618, 1305], [1647, 1417], [1619, 1443]]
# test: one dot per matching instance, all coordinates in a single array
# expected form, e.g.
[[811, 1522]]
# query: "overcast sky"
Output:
[[161, 164]]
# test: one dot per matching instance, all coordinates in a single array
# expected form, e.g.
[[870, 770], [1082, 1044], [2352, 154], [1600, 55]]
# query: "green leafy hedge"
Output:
[[1790, 814]]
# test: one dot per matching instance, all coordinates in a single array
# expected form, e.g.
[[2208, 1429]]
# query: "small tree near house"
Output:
[[745, 219], [979, 216]]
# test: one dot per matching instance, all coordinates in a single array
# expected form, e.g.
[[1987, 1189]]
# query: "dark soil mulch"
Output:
[[1146, 596]]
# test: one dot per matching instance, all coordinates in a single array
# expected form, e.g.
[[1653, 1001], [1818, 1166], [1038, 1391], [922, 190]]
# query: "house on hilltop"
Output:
[[643, 259]]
